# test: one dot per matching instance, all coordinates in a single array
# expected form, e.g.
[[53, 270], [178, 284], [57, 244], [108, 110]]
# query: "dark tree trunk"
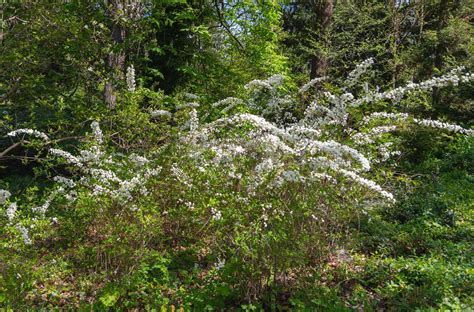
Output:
[[443, 16], [116, 57], [324, 11]]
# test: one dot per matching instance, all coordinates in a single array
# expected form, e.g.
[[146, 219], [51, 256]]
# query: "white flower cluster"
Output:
[[24, 234], [191, 96], [161, 113], [99, 137], [337, 150], [273, 143], [216, 214], [11, 213], [138, 160], [359, 70], [454, 77], [385, 151], [131, 78], [270, 83], [31, 132], [115, 176], [361, 138], [308, 149], [443, 125], [422, 122], [71, 159], [4, 195], [367, 183], [219, 264], [311, 83], [228, 103], [331, 109], [193, 120]]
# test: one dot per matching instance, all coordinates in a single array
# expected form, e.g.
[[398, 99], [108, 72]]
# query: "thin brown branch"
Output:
[[11, 147], [226, 27]]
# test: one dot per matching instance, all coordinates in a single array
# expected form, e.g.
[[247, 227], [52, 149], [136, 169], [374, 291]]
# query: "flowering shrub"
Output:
[[258, 180], [265, 188], [114, 176]]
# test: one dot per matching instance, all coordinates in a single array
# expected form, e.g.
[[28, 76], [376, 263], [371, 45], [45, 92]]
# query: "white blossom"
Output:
[[367, 183], [191, 96], [161, 113], [24, 234], [219, 264], [359, 71], [4, 195], [99, 137], [71, 159], [131, 78], [216, 214], [11, 211], [65, 181], [31, 132], [138, 160], [311, 83], [193, 120]]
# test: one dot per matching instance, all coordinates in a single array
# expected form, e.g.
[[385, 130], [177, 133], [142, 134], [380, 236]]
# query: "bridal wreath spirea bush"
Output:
[[261, 189]]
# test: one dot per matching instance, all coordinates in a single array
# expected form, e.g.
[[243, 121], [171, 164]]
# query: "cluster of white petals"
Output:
[[454, 77], [272, 143], [361, 138], [99, 137], [160, 113], [11, 214], [311, 83], [191, 96], [367, 183], [421, 122], [228, 104], [359, 70], [117, 177], [305, 149], [269, 84], [11, 211], [4, 195], [71, 159], [193, 120], [32, 132], [24, 234], [130, 78]]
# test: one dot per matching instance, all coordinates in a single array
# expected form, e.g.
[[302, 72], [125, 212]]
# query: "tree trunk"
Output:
[[440, 51], [394, 40], [116, 58], [324, 11]]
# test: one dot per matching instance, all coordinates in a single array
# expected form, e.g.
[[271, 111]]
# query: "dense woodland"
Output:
[[242, 155]]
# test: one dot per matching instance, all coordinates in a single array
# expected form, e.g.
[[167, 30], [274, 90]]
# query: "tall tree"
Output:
[[120, 13], [323, 10]]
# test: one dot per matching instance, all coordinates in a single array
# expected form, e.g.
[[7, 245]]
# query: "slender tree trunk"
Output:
[[394, 40], [2, 22], [324, 11], [116, 57], [443, 16]]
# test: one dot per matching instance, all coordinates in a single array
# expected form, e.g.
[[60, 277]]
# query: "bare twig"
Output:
[[226, 27]]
